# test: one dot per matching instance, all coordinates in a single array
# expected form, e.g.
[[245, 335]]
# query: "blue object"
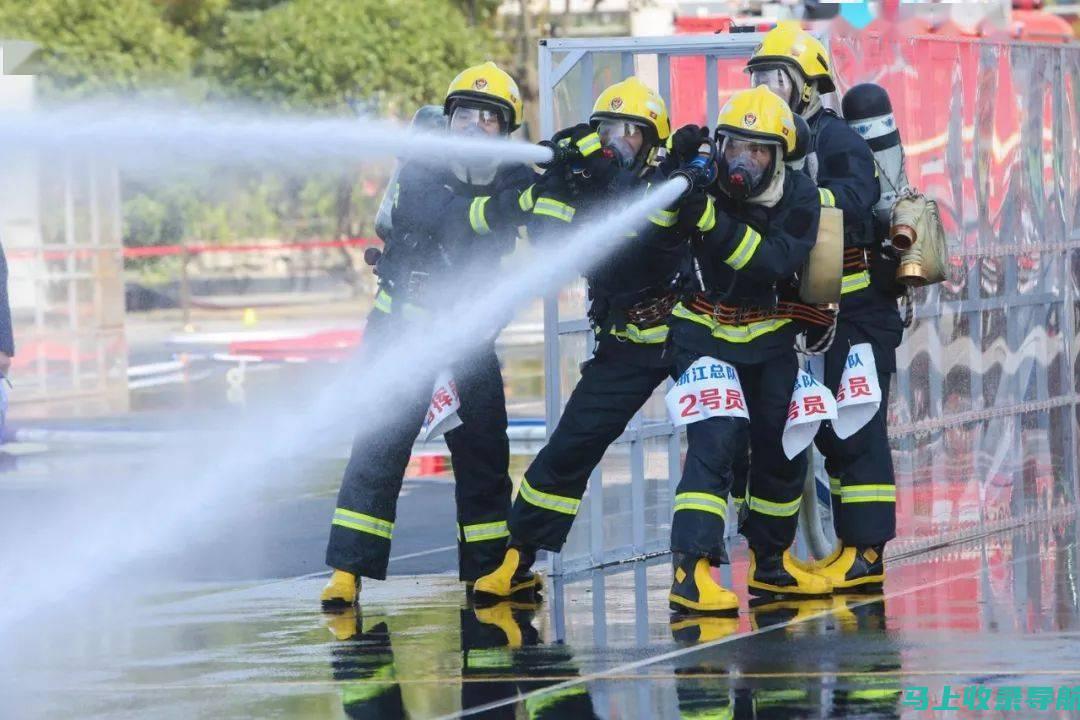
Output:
[[859, 14]]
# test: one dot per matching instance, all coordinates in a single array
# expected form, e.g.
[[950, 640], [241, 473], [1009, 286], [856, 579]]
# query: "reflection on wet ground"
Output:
[[995, 620]]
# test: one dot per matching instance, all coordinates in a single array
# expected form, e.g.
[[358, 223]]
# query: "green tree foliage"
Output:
[[296, 55], [91, 46], [478, 12], [324, 53], [199, 18]]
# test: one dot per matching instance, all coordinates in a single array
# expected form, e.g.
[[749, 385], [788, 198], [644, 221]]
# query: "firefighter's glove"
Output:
[[683, 147], [571, 145], [699, 174], [597, 173], [697, 212]]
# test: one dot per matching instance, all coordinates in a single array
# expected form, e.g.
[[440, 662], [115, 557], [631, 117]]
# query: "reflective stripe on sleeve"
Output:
[[554, 209], [476, 215], [745, 250]]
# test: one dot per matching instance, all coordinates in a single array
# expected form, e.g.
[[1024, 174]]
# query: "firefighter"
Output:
[[363, 667], [490, 637], [796, 66], [631, 296], [444, 222], [506, 666], [754, 230]]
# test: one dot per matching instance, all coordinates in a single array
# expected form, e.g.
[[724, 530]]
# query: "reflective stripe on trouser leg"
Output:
[[367, 502], [775, 484], [863, 460], [713, 448], [603, 402], [868, 486], [480, 454], [566, 702]]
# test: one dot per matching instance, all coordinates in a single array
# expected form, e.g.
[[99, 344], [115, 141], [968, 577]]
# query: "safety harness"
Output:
[[654, 311], [784, 310]]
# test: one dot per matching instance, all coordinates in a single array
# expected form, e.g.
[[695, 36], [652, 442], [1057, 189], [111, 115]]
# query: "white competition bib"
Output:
[[859, 394], [442, 414], [811, 403], [708, 388]]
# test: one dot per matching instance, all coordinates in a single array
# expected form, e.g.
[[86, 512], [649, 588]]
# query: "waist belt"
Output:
[[653, 311], [784, 310], [855, 260]]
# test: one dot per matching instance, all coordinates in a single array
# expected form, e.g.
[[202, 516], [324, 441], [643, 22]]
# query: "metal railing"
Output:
[[983, 409]]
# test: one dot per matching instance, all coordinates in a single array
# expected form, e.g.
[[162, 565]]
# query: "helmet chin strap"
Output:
[[809, 100]]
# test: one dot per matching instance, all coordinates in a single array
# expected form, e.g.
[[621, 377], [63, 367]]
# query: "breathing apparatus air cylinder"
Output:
[[868, 110], [428, 118], [904, 217]]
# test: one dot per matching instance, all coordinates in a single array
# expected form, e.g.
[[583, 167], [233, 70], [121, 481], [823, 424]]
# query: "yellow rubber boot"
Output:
[[846, 620], [695, 590], [344, 625], [691, 630], [778, 575], [341, 591], [862, 568], [766, 612], [511, 577], [814, 565], [501, 615]]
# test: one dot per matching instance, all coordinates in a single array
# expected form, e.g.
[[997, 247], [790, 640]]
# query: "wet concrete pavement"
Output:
[[999, 616]]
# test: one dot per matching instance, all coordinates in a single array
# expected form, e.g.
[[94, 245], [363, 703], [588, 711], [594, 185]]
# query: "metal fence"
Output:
[[983, 408]]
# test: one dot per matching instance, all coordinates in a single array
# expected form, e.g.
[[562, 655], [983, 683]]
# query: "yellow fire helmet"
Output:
[[635, 101], [757, 114], [487, 83], [789, 45]]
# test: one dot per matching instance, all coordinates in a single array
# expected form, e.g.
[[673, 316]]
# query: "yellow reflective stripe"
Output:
[[489, 658], [538, 705], [707, 221], [525, 199], [873, 694], [664, 218], [745, 250], [775, 509], [383, 301], [771, 697], [547, 501], [854, 282], [648, 336], [554, 208], [867, 493], [701, 501], [731, 333], [364, 690], [397, 193], [834, 486], [827, 198], [724, 713], [476, 215], [747, 333], [588, 144], [485, 531], [363, 523]]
